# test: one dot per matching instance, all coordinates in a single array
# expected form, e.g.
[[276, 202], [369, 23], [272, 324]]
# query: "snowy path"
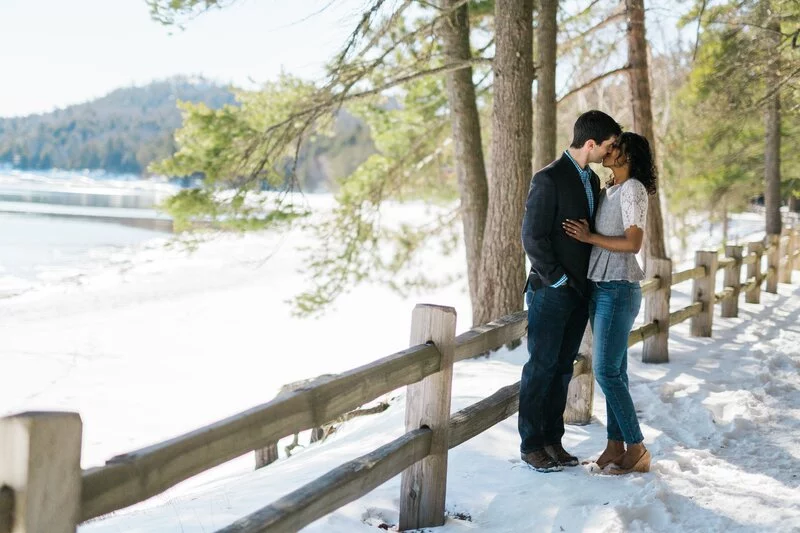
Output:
[[722, 420], [156, 343]]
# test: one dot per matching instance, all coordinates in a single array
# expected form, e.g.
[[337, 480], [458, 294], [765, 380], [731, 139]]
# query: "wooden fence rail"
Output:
[[26, 490]]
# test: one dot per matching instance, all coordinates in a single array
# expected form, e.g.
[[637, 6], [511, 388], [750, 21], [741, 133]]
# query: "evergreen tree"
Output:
[[743, 53], [122, 132]]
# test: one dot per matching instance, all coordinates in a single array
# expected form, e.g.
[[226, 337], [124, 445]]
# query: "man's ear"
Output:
[[590, 144]]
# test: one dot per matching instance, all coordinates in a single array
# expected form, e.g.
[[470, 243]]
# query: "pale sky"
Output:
[[54, 53]]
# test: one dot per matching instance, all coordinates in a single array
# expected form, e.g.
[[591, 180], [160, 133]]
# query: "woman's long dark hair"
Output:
[[636, 149]]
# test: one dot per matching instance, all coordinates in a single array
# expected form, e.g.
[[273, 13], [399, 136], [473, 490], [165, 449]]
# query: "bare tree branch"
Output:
[[777, 88], [169, 12], [401, 80], [336, 77], [571, 42], [361, 28], [307, 17], [583, 12], [481, 51], [699, 26], [452, 8], [374, 9], [592, 82], [388, 24]]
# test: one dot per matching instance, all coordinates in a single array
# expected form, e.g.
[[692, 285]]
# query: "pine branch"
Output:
[[344, 96], [361, 28]]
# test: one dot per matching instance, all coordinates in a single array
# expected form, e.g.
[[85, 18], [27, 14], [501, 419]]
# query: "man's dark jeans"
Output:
[[557, 319]]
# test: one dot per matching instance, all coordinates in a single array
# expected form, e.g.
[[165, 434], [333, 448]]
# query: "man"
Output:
[[556, 291]]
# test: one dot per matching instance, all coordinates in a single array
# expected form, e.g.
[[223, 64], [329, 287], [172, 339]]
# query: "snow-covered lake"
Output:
[[50, 226], [153, 341], [36, 247]]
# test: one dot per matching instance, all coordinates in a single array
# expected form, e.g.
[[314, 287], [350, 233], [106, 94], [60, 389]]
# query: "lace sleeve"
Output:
[[633, 198]]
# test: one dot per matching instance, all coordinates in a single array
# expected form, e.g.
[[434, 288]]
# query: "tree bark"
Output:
[[772, 125], [724, 222], [643, 117], [468, 153], [502, 260], [546, 31], [794, 203]]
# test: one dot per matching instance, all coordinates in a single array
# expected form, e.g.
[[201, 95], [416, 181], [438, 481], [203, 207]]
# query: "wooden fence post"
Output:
[[733, 278], [703, 291], [656, 309], [753, 296], [773, 256], [580, 394], [796, 249], [791, 250], [423, 484], [785, 275], [267, 455], [40, 460], [6, 509]]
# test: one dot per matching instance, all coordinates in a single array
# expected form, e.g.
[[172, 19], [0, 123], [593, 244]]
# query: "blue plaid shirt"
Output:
[[585, 175]]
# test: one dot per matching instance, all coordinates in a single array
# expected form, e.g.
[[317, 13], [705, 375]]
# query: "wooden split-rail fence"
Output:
[[44, 490]]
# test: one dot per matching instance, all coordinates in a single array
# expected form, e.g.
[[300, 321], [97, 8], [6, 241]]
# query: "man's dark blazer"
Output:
[[556, 194]]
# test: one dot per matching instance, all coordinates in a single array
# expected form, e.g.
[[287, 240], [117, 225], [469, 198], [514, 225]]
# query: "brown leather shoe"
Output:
[[541, 462], [561, 456]]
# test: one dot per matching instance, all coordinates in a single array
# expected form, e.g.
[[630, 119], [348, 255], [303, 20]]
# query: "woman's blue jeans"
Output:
[[613, 307]]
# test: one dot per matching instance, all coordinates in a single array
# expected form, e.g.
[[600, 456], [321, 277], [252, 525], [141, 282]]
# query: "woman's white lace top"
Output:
[[619, 208]]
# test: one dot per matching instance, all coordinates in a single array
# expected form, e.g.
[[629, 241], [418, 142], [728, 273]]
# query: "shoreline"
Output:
[[138, 218]]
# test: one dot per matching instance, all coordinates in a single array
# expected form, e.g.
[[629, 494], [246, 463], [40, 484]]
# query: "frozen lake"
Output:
[[30, 245], [55, 224]]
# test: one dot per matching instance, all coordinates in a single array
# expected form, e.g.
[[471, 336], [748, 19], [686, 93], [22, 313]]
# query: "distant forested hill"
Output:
[[129, 128], [121, 132]]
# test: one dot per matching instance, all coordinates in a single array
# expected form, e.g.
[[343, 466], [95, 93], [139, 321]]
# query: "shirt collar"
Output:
[[583, 172]]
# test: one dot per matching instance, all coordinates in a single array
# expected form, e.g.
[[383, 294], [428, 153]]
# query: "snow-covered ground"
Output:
[[153, 342]]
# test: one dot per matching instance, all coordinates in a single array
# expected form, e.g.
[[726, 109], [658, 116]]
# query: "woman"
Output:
[[614, 276]]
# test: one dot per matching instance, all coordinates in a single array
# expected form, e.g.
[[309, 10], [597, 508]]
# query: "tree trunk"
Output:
[[772, 124], [643, 117], [545, 138], [502, 260], [469, 162], [724, 222]]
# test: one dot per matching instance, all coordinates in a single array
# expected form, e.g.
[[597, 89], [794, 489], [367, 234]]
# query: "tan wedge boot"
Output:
[[641, 464], [615, 450]]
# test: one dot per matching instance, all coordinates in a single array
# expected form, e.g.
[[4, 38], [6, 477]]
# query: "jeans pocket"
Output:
[[606, 285]]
